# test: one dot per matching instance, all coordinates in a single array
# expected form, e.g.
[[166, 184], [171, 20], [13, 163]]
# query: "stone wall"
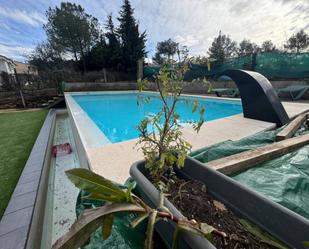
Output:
[[98, 86]]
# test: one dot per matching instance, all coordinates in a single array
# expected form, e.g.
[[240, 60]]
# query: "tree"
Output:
[[222, 48], [160, 135], [113, 45], [72, 29], [106, 52], [268, 46], [46, 56], [298, 42], [96, 58], [132, 42], [158, 58], [167, 49], [246, 47]]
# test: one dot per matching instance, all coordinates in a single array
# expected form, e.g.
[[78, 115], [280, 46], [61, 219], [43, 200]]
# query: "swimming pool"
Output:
[[118, 114]]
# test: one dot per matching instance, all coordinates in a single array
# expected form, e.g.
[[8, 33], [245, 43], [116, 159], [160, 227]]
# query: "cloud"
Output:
[[5, 26], [15, 52], [194, 23], [32, 18]]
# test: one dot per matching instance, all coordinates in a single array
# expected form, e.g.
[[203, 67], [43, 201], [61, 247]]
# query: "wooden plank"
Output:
[[291, 128], [245, 160]]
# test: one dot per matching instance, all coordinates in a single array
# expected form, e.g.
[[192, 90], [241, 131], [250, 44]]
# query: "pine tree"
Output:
[[132, 42], [298, 42], [113, 44], [166, 51], [222, 48], [72, 29]]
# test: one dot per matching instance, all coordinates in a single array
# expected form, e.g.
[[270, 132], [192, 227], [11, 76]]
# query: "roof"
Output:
[[17, 63], [22, 67]]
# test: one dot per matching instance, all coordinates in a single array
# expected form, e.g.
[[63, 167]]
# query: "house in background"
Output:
[[7, 72], [7, 65], [25, 68]]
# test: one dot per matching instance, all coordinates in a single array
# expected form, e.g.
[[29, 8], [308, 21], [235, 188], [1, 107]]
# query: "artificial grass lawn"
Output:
[[18, 132]]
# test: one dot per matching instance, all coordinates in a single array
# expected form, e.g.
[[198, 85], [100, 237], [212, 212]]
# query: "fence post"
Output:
[[253, 61], [140, 64], [20, 88], [104, 74]]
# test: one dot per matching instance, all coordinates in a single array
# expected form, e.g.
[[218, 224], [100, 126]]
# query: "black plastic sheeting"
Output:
[[284, 180]]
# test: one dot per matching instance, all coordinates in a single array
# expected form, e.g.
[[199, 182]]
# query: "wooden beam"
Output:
[[292, 127], [245, 160]]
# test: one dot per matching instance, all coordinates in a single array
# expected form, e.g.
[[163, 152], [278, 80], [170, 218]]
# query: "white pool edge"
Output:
[[238, 100], [86, 133]]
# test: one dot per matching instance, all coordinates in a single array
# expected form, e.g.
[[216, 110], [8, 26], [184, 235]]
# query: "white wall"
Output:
[[5, 67]]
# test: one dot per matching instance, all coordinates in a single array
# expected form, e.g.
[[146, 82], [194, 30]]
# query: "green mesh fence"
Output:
[[271, 65]]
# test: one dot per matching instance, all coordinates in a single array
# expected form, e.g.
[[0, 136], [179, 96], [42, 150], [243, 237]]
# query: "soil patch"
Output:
[[193, 200]]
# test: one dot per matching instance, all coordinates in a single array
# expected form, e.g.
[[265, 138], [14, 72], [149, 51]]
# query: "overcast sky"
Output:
[[190, 22]]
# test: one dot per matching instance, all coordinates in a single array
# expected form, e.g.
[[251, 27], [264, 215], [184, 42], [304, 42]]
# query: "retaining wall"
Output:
[[193, 87]]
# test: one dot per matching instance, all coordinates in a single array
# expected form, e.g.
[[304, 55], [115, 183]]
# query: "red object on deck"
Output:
[[61, 149]]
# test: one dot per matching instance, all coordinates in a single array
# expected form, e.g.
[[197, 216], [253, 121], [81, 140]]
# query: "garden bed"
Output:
[[194, 202], [243, 202]]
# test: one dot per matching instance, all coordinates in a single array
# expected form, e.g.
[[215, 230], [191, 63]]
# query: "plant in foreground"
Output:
[[160, 135], [120, 200]]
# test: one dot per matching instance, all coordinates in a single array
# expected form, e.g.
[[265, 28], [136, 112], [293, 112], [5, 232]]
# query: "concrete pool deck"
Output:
[[113, 161]]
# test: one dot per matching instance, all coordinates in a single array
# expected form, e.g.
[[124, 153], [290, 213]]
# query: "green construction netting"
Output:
[[284, 180], [123, 236], [271, 65]]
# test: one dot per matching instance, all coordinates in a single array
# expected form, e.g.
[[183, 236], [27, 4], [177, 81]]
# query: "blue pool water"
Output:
[[117, 115]]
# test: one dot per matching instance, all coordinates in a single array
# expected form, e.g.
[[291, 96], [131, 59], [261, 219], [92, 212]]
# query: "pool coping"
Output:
[[94, 137], [20, 226], [154, 92]]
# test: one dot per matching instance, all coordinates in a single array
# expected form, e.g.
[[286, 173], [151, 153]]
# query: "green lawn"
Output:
[[18, 131]]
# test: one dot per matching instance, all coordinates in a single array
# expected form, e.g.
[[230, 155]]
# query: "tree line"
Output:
[[224, 48], [75, 39]]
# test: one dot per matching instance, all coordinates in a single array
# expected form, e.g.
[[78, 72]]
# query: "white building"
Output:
[[6, 65]]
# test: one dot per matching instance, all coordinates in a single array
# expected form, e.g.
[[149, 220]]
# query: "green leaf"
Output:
[[101, 197], [107, 226], [191, 229], [142, 84], [139, 85], [207, 231], [266, 238], [129, 192], [194, 107], [95, 184], [89, 221]]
